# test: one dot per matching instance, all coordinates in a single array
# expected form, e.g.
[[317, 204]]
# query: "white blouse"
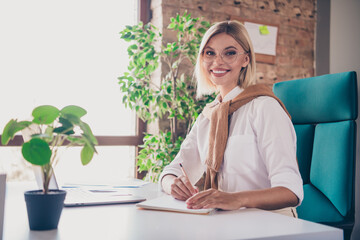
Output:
[[260, 152]]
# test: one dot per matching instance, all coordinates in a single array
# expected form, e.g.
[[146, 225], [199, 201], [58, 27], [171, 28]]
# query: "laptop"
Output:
[[80, 196]]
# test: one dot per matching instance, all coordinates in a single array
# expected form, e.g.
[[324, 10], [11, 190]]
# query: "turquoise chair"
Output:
[[323, 111]]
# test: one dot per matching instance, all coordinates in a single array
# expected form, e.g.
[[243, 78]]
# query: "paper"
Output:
[[264, 30], [168, 203], [263, 39]]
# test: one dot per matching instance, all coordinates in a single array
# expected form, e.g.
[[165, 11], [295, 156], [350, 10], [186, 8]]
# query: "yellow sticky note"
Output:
[[264, 30]]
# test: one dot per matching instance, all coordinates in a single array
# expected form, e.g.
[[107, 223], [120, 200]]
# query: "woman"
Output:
[[244, 140]]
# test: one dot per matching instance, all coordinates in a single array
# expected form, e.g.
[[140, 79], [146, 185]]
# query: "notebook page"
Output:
[[168, 203]]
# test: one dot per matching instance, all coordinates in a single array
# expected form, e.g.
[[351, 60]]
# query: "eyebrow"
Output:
[[224, 48]]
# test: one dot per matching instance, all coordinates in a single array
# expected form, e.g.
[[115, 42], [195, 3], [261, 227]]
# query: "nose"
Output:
[[218, 59]]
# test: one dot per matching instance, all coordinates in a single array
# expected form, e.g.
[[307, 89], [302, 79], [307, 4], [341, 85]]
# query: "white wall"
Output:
[[345, 56]]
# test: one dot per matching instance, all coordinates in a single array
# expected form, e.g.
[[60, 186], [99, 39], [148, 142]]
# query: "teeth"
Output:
[[219, 71]]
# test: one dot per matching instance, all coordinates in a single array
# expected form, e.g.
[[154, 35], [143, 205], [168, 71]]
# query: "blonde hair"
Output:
[[236, 30]]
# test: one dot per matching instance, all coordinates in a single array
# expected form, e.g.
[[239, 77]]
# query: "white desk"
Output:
[[128, 222]]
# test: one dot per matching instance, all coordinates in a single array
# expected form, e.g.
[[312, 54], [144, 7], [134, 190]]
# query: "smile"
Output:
[[219, 72], [214, 71]]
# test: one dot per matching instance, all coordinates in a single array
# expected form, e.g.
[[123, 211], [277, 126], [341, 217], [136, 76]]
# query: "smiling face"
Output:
[[223, 74]]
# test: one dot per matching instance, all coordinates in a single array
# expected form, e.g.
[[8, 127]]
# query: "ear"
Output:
[[246, 60]]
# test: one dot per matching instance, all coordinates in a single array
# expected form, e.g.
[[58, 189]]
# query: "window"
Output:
[[69, 52]]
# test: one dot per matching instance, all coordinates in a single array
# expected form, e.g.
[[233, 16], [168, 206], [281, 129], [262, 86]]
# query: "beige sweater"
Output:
[[218, 134]]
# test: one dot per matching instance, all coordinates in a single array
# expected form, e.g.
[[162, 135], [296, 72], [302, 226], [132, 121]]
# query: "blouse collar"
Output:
[[231, 95]]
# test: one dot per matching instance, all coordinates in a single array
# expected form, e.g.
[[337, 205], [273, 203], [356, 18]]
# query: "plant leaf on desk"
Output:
[[73, 119], [87, 154], [88, 133], [88, 141], [45, 114], [11, 128], [37, 151], [66, 128], [74, 110]]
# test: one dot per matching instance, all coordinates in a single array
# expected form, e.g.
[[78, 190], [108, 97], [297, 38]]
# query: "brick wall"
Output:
[[296, 19]]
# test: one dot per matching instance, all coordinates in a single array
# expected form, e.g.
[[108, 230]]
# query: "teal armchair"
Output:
[[323, 111]]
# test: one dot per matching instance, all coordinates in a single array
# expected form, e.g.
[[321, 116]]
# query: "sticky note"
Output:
[[264, 30]]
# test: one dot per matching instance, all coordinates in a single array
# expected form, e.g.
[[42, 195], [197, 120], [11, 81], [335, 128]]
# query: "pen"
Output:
[[183, 171]]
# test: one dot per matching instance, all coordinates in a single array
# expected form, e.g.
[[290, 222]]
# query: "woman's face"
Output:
[[222, 60]]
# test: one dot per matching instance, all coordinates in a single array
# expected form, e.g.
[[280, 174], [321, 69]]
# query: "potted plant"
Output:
[[172, 98], [50, 129]]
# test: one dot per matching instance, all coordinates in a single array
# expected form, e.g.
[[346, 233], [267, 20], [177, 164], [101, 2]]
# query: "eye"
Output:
[[209, 53], [230, 53]]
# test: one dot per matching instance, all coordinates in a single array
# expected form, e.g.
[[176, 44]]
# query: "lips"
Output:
[[219, 72]]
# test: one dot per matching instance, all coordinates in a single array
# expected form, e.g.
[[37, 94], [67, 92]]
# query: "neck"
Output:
[[225, 91]]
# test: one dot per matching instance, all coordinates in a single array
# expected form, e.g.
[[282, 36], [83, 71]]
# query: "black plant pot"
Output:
[[44, 210]]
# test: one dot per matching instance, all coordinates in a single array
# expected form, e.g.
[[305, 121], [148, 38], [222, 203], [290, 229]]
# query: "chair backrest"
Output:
[[323, 111]]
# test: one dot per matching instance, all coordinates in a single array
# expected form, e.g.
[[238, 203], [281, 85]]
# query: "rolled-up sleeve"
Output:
[[276, 139]]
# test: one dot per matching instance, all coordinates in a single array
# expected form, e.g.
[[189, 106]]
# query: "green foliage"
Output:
[[157, 152], [36, 151], [174, 98], [52, 128]]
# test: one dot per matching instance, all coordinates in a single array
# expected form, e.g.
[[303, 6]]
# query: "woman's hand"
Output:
[[178, 187], [267, 199], [213, 198]]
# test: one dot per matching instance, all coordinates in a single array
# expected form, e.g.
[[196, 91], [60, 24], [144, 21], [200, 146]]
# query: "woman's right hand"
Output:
[[178, 187]]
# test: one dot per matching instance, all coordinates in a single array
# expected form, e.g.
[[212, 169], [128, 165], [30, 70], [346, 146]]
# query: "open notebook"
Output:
[[168, 203], [77, 196]]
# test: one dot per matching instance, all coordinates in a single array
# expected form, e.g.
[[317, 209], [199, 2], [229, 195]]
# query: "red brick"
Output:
[[298, 62], [295, 42]]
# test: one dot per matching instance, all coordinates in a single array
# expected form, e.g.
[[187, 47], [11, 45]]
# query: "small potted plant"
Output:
[[50, 129]]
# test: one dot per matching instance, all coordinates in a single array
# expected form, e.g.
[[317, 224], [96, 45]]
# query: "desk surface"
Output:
[[127, 222]]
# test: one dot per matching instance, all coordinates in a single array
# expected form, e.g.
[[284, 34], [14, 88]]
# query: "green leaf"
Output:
[[37, 151], [205, 24], [88, 133], [202, 30], [45, 114], [11, 128], [134, 46], [75, 120], [87, 154], [167, 97], [66, 128], [73, 110], [172, 25]]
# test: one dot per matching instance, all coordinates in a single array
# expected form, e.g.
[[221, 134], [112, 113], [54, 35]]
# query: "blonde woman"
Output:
[[244, 141]]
